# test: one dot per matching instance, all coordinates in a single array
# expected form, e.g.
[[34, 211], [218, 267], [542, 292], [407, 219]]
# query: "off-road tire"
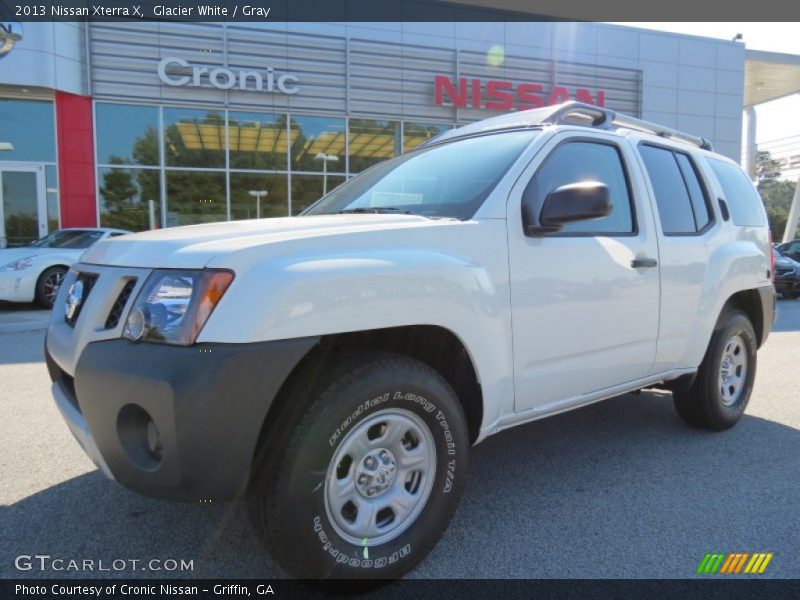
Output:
[[703, 405], [287, 497]]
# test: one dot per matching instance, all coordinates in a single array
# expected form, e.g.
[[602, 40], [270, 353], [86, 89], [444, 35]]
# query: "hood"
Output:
[[194, 246], [8, 255]]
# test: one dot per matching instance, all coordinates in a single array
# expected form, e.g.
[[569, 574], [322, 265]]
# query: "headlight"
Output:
[[173, 306], [19, 264]]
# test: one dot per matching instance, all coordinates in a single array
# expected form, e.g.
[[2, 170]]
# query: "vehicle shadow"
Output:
[[617, 489], [788, 316], [12, 307], [17, 347]]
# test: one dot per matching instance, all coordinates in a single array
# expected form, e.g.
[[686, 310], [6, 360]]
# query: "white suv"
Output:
[[335, 367]]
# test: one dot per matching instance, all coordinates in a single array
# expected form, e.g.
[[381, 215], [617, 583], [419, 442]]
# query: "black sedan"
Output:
[[787, 276]]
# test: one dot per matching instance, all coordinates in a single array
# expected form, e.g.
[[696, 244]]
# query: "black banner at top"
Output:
[[395, 10]]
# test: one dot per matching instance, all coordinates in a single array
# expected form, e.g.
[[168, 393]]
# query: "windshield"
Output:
[[451, 180], [74, 239]]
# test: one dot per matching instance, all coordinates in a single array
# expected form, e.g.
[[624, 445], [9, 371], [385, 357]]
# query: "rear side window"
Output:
[[743, 200], [574, 162], [680, 196]]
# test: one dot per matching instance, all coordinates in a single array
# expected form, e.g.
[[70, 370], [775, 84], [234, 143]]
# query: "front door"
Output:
[[23, 209], [584, 314]]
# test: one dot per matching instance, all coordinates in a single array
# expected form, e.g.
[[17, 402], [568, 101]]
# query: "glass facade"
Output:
[[169, 166], [27, 131], [27, 147]]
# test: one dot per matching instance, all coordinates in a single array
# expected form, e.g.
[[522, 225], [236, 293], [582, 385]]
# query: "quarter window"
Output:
[[680, 197], [745, 203], [574, 162]]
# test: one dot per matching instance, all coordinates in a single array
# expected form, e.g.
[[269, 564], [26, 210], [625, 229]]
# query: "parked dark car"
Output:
[[787, 276], [790, 249]]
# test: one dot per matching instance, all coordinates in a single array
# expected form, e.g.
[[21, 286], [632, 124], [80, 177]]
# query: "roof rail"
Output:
[[605, 118]]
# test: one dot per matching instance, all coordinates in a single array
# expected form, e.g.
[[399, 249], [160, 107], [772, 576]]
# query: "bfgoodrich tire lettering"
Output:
[[290, 499], [724, 382]]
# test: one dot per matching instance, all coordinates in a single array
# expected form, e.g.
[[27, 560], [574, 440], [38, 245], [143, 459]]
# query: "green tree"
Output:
[[776, 193], [767, 168]]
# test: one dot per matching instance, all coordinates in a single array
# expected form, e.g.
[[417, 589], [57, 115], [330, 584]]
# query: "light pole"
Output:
[[325, 158], [258, 194]]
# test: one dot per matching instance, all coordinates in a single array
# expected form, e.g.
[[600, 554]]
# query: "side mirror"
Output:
[[568, 204]]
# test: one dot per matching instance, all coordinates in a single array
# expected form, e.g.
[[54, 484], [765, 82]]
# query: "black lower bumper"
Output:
[[769, 308], [174, 422]]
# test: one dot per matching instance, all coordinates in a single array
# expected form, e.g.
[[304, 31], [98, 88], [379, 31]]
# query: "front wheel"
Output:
[[724, 382], [368, 473]]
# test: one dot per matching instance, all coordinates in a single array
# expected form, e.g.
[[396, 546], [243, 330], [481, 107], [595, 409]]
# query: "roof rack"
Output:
[[580, 113]]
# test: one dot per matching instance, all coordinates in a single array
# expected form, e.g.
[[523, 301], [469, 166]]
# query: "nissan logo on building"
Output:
[[178, 72], [10, 34]]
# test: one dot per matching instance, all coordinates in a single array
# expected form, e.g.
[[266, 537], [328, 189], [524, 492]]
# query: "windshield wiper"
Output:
[[374, 210]]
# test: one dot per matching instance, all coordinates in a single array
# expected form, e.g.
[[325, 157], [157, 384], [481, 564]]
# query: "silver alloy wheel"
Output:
[[51, 286], [733, 370], [380, 477]]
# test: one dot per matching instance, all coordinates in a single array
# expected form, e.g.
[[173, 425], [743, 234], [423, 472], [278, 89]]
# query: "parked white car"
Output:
[[336, 367], [35, 272]]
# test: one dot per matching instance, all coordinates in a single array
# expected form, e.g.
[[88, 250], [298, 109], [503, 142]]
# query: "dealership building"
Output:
[[146, 125]]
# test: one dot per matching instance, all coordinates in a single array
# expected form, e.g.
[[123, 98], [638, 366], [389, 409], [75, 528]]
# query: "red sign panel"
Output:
[[506, 95]]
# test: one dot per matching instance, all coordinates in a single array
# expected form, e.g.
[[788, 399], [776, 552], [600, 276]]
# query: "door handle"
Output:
[[644, 263]]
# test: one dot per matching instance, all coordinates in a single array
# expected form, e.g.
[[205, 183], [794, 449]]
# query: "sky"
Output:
[[777, 119]]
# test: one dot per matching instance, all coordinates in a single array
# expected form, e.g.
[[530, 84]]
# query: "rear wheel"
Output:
[[361, 478], [720, 392], [48, 285]]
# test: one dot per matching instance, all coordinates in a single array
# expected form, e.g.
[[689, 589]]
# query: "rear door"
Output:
[[584, 317], [689, 234]]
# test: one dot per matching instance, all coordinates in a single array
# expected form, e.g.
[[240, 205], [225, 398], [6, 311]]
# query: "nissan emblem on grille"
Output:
[[74, 299]]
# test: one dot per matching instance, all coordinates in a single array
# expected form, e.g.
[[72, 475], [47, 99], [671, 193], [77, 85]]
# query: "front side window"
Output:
[[575, 162], [679, 194], [447, 180], [745, 204]]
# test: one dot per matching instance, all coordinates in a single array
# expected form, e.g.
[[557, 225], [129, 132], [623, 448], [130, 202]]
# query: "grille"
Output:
[[119, 305], [88, 280]]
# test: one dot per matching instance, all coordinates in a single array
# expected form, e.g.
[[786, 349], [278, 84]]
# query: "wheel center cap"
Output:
[[726, 368], [376, 472]]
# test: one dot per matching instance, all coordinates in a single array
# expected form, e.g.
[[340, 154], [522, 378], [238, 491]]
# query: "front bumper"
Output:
[[17, 286], [180, 423]]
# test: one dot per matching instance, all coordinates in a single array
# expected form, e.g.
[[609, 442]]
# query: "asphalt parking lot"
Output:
[[620, 489]]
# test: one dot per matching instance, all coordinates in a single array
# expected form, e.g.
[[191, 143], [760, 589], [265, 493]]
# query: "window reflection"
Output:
[[194, 138], [195, 197], [307, 189], [130, 198], [415, 134], [256, 196], [127, 134], [318, 144], [257, 141], [27, 130], [51, 178], [372, 141]]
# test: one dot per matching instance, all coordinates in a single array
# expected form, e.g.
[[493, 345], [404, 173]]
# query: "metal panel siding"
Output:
[[386, 79]]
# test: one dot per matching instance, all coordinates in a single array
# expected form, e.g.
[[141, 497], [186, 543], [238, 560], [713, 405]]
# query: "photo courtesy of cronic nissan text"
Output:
[[429, 299]]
